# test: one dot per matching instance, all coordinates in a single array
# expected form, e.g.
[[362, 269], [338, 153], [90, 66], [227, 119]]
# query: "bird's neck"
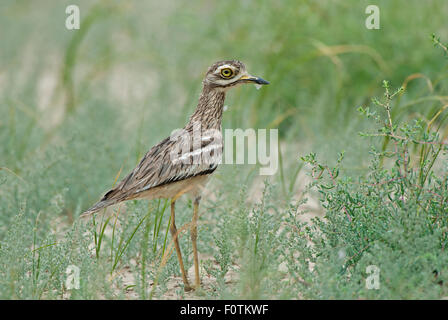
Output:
[[208, 113]]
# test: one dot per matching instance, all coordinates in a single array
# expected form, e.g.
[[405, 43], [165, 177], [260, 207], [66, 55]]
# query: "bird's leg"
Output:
[[173, 230], [194, 236]]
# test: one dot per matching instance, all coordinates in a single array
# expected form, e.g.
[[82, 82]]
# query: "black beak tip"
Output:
[[261, 81]]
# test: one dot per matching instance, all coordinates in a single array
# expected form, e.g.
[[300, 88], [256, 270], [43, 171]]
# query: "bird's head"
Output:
[[226, 74]]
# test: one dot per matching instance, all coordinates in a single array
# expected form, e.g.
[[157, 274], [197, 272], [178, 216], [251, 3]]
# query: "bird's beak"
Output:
[[257, 80]]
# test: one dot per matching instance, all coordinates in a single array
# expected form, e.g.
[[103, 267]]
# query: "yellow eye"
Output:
[[226, 72]]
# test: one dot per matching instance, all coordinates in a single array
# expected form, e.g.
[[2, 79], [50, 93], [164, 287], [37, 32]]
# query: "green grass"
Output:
[[79, 109]]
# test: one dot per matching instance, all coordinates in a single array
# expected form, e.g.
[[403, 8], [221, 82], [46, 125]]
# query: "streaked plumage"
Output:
[[176, 165]]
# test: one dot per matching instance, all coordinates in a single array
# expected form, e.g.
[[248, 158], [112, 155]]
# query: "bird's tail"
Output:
[[98, 206]]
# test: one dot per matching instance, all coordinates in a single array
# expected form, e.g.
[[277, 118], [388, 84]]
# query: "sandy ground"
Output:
[[174, 285]]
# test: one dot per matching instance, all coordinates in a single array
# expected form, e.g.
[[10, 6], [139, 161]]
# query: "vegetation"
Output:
[[361, 181]]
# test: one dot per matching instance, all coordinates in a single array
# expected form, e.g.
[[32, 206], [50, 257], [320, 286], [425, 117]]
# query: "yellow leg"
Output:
[[173, 230], [194, 236]]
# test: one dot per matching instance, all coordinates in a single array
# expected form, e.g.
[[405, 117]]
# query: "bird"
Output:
[[183, 162]]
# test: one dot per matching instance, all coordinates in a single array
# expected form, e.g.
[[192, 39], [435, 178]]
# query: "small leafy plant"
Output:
[[395, 217]]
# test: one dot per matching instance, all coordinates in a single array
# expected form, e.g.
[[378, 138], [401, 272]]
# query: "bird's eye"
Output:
[[226, 72]]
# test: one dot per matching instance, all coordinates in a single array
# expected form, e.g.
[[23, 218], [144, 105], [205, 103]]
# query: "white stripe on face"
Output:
[[225, 66]]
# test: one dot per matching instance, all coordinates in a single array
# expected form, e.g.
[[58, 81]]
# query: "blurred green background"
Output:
[[79, 107]]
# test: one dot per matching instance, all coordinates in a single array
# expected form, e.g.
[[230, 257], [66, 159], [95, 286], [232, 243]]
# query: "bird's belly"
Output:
[[193, 186]]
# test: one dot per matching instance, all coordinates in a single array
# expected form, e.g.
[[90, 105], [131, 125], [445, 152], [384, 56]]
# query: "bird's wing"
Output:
[[168, 161]]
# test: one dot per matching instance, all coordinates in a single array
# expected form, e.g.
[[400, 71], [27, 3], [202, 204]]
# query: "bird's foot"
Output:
[[189, 287]]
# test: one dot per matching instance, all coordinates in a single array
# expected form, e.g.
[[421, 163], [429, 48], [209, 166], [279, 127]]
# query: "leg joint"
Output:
[[194, 234]]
